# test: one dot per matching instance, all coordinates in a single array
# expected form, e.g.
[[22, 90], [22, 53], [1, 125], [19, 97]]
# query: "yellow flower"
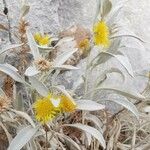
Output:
[[84, 44], [101, 34], [45, 110], [49, 107], [37, 37], [67, 104], [42, 40]]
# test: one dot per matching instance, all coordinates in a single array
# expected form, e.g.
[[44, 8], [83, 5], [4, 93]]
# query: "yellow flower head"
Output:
[[45, 110], [67, 104], [101, 34], [49, 107], [42, 40], [84, 44]]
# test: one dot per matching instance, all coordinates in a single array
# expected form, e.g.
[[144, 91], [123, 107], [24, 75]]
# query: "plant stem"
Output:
[[9, 27], [46, 138]]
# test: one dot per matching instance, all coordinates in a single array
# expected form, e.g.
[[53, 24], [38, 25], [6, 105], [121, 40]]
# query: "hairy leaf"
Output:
[[89, 105], [12, 72], [94, 132], [33, 46], [22, 138], [39, 86]]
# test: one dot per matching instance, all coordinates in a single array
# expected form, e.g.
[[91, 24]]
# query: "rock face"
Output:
[[56, 15]]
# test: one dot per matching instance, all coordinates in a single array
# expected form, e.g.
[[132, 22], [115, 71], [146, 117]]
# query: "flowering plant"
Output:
[[48, 114]]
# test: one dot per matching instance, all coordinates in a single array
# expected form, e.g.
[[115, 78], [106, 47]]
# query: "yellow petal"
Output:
[[101, 34], [67, 104]]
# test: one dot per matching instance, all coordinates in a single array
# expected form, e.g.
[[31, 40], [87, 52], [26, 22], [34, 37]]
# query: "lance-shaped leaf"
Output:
[[39, 86], [125, 103], [94, 132], [89, 105], [126, 33], [33, 46], [103, 76], [107, 5], [9, 47], [62, 58], [24, 115], [12, 72], [124, 61], [22, 138], [66, 67], [24, 9], [67, 138], [98, 9], [123, 91], [31, 71], [95, 120]]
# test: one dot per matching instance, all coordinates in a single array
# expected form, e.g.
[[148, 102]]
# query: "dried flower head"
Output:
[[42, 64], [84, 44], [67, 104], [42, 40], [84, 47], [101, 34], [4, 103]]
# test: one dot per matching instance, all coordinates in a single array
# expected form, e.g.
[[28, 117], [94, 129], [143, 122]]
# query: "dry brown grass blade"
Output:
[[3, 27]]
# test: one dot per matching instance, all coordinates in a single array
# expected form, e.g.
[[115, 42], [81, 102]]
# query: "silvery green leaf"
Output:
[[116, 9], [95, 120], [124, 61], [78, 82], [64, 40], [94, 132], [104, 74], [107, 5], [102, 57], [126, 33], [9, 47], [123, 91], [88, 138], [22, 138], [31, 71], [72, 142], [25, 8], [38, 86], [89, 105], [98, 10], [12, 72], [33, 46], [66, 67], [24, 115], [127, 104], [62, 58], [46, 48]]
